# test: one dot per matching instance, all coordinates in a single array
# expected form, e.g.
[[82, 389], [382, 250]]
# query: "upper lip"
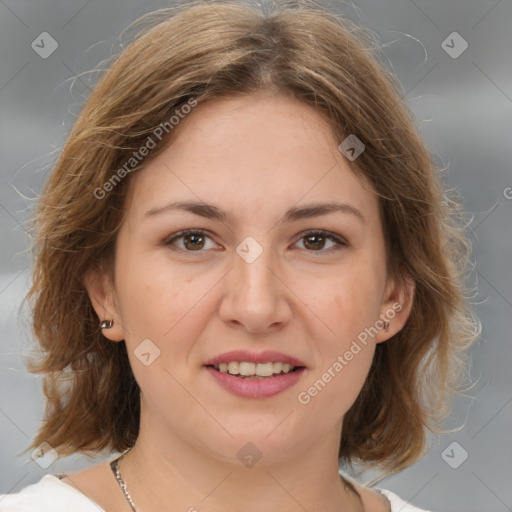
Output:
[[254, 357]]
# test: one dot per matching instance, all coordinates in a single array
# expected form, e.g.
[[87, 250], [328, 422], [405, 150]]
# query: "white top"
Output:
[[52, 495]]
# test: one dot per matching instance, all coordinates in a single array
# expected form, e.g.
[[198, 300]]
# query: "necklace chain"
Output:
[[114, 465]]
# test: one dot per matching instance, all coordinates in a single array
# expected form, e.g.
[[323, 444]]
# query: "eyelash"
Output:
[[325, 234]]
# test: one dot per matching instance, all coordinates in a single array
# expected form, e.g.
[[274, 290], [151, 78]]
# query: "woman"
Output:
[[247, 272]]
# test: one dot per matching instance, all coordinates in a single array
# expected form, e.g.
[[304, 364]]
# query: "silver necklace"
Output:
[[114, 465]]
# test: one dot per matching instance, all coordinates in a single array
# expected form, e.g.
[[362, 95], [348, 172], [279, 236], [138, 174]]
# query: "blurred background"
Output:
[[453, 61]]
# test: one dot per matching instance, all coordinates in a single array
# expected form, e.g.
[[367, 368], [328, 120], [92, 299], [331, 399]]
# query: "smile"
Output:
[[252, 385], [245, 369]]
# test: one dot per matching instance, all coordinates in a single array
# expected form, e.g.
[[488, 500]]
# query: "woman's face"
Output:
[[252, 171]]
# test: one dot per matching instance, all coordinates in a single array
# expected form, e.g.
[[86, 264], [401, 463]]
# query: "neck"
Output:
[[164, 472]]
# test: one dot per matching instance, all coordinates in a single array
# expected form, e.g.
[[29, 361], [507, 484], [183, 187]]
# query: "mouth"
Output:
[[255, 375], [255, 371]]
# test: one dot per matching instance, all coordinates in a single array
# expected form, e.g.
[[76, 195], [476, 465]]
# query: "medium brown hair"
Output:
[[206, 50]]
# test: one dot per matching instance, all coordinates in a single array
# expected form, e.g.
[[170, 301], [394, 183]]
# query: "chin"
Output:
[[249, 447]]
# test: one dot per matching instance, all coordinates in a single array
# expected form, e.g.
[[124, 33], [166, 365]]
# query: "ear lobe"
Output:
[[396, 308], [101, 295]]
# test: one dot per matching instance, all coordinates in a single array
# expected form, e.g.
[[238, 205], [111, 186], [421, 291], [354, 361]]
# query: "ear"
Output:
[[102, 296], [396, 306]]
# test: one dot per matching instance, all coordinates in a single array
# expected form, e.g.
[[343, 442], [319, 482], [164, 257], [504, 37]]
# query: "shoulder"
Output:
[[397, 503], [375, 498], [48, 495]]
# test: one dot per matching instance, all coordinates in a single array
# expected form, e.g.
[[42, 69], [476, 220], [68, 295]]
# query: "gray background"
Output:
[[463, 108]]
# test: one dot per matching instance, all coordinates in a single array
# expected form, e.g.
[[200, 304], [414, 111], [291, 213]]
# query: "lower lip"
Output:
[[256, 388]]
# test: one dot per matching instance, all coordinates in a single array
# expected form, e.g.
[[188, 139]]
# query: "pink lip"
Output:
[[256, 388], [254, 357]]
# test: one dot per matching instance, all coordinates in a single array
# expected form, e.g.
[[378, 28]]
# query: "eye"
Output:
[[193, 239], [315, 241]]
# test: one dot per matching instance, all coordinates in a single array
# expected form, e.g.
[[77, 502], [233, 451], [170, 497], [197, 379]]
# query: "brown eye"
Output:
[[192, 241], [316, 241], [196, 241]]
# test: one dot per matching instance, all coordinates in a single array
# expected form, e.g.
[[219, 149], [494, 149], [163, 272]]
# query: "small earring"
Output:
[[106, 324], [386, 326]]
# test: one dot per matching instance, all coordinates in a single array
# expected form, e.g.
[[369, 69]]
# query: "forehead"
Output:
[[259, 120], [252, 153]]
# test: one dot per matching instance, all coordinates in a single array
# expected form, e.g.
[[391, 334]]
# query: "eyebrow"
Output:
[[294, 213]]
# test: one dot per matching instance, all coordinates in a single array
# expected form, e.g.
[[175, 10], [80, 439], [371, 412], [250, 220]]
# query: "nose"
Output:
[[256, 296]]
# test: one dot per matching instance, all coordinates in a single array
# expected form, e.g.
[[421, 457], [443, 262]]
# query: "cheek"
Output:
[[332, 387], [155, 297], [328, 394], [171, 309], [348, 309], [342, 305], [163, 316]]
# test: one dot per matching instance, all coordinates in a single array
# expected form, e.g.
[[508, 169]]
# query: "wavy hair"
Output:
[[204, 50]]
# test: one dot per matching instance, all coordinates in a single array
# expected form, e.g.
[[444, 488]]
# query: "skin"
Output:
[[254, 157]]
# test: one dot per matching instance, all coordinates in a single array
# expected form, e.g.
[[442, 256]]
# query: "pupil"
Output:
[[314, 237], [193, 237]]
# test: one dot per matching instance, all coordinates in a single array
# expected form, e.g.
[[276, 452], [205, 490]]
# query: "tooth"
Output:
[[247, 368], [233, 368], [264, 369], [278, 367]]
